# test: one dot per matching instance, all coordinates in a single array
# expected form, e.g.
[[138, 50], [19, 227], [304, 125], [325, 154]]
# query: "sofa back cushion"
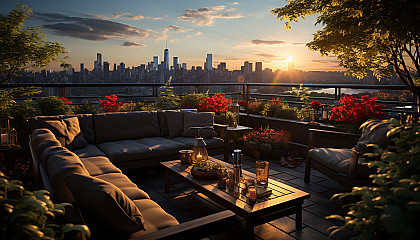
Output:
[[67, 129], [373, 132], [163, 124], [104, 206], [85, 124], [124, 126], [41, 139], [202, 119], [60, 163], [175, 121]]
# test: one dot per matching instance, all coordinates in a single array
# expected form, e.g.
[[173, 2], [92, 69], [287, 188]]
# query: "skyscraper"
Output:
[[176, 63], [155, 62], [166, 57], [184, 66], [246, 67], [223, 66], [106, 68], [258, 66], [99, 61], [209, 62], [290, 65], [82, 67]]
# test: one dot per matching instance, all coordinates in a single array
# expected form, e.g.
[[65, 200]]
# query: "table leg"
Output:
[[299, 216], [249, 229], [167, 183]]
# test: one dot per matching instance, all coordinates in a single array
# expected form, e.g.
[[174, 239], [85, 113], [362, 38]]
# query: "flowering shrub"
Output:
[[66, 100], [278, 139], [218, 104], [110, 104], [316, 105], [357, 111], [242, 103]]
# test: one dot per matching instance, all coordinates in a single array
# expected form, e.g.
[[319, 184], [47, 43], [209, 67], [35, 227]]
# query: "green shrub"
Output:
[[391, 208], [286, 113], [167, 99], [22, 112], [139, 106], [191, 101], [49, 106], [86, 108]]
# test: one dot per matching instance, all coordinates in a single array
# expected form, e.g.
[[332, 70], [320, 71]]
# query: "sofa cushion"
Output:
[[155, 218], [105, 206], [175, 120], [89, 151], [373, 132], [124, 126], [202, 119], [212, 143], [68, 129], [338, 160], [163, 124], [125, 185], [60, 163], [161, 146], [99, 165], [41, 139]]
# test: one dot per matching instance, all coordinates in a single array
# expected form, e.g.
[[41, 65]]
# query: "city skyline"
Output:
[[135, 32]]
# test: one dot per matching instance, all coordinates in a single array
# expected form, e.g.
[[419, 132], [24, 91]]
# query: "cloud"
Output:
[[90, 28], [267, 42], [128, 16], [198, 33], [326, 61], [298, 44], [174, 28], [208, 15], [266, 55], [235, 3], [132, 44]]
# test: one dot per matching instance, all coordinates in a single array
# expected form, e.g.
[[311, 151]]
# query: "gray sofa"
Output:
[[80, 157]]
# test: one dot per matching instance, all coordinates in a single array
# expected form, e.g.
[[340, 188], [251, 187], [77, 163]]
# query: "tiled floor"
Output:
[[185, 204]]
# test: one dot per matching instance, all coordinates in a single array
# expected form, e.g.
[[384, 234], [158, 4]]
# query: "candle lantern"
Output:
[[6, 131], [200, 152]]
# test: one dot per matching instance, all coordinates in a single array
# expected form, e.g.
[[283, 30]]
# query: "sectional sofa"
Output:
[[80, 159]]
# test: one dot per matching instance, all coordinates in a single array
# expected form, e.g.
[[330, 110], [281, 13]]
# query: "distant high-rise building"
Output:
[[155, 62], [122, 67], [82, 67], [290, 66], [258, 66], [223, 66], [176, 63], [184, 66], [166, 57], [99, 61], [250, 67], [246, 67], [106, 67], [209, 62], [95, 65], [115, 67]]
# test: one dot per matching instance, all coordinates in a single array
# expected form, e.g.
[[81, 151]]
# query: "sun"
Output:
[[289, 59]]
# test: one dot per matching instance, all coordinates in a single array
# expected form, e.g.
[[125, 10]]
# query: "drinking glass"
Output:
[[262, 174]]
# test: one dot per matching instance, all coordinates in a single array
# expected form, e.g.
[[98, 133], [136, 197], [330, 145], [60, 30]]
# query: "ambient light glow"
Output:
[[289, 59]]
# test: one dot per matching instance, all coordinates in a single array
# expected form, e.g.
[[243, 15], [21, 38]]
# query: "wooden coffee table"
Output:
[[284, 200]]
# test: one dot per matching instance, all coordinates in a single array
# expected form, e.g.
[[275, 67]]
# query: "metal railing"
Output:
[[245, 91]]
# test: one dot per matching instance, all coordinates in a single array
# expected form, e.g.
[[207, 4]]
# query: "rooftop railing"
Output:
[[85, 92]]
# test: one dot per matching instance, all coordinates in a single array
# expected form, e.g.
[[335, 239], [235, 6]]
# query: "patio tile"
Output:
[[313, 186], [267, 231], [283, 176], [286, 224], [309, 234]]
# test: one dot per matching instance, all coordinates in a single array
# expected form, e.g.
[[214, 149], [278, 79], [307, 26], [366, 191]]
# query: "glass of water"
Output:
[[262, 174]]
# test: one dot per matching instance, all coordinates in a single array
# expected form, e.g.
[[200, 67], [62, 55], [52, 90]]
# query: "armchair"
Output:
[[338, 155]]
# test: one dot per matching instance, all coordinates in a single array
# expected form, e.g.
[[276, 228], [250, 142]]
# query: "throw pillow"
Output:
[[175, 120], [104, 206], [202, 119], [373, 132], [67, 129]]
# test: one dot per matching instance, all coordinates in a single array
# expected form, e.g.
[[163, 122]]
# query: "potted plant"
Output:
[[218, 104], [32, 215], [267, 139]]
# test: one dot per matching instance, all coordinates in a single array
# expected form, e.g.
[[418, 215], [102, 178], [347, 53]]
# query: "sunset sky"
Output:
[[133, 31]]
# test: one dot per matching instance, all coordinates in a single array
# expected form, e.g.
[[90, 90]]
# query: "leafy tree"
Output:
[[381, 36], [22, 47], [167, 99]]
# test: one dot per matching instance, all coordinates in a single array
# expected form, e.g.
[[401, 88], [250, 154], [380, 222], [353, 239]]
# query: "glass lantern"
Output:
[[6, 131], [200, 152], [234, 109]]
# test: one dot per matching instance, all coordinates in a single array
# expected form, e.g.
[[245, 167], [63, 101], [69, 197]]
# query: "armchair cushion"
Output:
[[374, 132]]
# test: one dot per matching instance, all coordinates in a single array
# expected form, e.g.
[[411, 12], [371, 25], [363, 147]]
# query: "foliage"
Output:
[[390, 209], [21, 113], [167, 99], [49, 106], [192, 101], [278, 139], [365, 35], [31, 215], [86, 108], [217, 104], [22, 47], [110, 103], [355, 111], [256, 106], [302, 92], [286, 113], [139, 106], [8, 96], [65, 100], [316, 105]]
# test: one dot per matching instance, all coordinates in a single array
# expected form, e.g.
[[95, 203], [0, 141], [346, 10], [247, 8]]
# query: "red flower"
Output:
[[66, 100], [242, 103], [218, 104], [357, 111], [110, 104], [268, 135], [316, 105]]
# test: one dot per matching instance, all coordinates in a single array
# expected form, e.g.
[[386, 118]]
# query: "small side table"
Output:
[[10, 155], [226, 137]]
